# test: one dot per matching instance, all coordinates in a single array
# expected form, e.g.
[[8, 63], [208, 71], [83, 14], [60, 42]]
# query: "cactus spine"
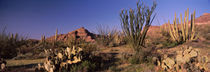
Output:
[[186, 33]]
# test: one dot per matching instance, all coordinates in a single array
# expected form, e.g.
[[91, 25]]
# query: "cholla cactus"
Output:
[[61, 60]]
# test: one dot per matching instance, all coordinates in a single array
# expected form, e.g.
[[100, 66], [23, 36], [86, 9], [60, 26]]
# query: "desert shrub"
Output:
[[88, 48], [9, 44], [108, 37], [170, 44], [134, 60], [114, 69], [85, 66], [135, 24]]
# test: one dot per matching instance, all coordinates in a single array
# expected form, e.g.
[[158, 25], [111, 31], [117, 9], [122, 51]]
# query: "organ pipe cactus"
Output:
[[187, 31]]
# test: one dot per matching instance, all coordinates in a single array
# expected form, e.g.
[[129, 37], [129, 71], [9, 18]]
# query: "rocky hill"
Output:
[[80, 33], [204, 19]]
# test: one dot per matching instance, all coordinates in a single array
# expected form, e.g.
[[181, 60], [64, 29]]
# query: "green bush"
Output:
[[134, 60], [108, 37]]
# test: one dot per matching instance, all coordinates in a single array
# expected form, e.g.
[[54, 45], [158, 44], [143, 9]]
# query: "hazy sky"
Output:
[[33, 18]]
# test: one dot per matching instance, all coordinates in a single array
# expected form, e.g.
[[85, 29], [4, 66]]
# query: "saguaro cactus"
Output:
[[56, 35], [185, 33], [43, 39]]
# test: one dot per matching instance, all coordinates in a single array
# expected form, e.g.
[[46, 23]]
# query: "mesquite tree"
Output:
[[135, 24]]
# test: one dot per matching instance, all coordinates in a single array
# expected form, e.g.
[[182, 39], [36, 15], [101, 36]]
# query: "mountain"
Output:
[[80, 33]]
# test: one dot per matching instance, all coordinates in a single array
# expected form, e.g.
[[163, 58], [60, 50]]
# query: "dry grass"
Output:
[[23, 62]]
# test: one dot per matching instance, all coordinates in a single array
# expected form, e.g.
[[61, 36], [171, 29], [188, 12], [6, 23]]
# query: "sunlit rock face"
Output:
[[203, 19], [80, 33]]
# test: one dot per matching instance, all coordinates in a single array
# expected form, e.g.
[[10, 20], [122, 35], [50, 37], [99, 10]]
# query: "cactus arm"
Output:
[[177, 30], [193, 25], [173, 28], [171, 34], [56, 34], [187, 24], [182, 28]]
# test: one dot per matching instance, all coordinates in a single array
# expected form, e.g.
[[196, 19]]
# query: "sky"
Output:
[[33, 18]]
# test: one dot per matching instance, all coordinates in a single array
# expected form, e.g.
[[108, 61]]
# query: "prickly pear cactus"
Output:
[[187, 59], [59, 60], [2, 64]]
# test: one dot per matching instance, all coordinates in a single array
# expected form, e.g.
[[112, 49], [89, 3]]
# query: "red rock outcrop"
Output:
[[80, 33], [204, 19], [154, 31]]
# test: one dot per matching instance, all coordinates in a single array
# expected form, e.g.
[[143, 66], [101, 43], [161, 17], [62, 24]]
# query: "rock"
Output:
[[204, 19], [80, 33]]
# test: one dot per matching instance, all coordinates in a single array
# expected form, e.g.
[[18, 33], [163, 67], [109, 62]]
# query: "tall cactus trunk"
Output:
[[56, 35], [43, 39]]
